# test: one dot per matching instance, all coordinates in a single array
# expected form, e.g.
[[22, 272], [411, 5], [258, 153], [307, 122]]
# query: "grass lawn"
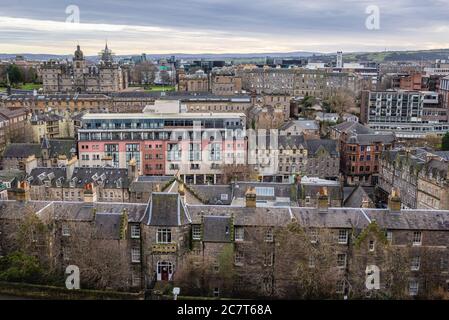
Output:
[[160, 88], [30, 86]]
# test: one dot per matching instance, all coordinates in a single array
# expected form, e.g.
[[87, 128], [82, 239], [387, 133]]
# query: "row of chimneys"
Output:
[[394, 200]]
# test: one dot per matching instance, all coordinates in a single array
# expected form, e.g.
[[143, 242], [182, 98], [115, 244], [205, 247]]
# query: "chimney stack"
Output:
[[23, 192], [132, 170], [394, 201], [323, 200], [250, 197], [90, 194]]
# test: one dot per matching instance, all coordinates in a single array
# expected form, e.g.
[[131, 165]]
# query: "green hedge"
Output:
[[33, 291]]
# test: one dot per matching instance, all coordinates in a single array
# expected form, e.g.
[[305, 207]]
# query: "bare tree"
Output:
[[238, 172], [143, 73], [343, 101], [103, 263]]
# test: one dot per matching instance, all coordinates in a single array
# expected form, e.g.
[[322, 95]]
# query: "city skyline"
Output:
[[215, 26]]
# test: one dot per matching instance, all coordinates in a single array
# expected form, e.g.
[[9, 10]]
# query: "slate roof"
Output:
[[314, 145], [243, 216], [352, 127], [108, 214], [414, 219], [166, 209], [217, 229], [56, 148], [291, 141], [355, 199], [347, 218], [368, 139], [281, 190], [108, 178], [301, 124], [22, 150], [311, 190], [213, 193]]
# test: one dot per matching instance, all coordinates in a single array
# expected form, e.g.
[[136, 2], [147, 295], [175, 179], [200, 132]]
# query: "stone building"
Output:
[[48, 153], [197, 82], [360, 151], [420, 176], [69, 183], [225, 82], [78, 76], [248, 250], [433, 187]]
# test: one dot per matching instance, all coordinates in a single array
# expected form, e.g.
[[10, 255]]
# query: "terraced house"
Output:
[[419, 174], [244, 250]]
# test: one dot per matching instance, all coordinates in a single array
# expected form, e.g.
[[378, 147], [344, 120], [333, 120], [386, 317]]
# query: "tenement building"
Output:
[[420, 175], [360, 152], [78, 76], [243, 251]]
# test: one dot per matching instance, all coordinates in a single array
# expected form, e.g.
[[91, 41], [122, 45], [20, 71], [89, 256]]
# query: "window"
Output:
[[417, 238], [413, 287], [163, 235], [416, 262], [314, 236], [389, 236], [239, 233], [135, 254], [371, 245], [135, 280], [238, 259], [265, 191], [341, 260], [216, 292], [311, 262], [443, 264], [65, 230], [269, 235], [340, 287], [268, 259], [343, 236], [196, 232], [135, 231]]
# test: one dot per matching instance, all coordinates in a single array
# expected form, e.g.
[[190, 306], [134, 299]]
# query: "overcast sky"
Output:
[[221, 26]]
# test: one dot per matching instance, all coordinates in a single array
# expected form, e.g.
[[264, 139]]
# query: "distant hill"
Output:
[[385, 56], [187, 56], [392, 56]]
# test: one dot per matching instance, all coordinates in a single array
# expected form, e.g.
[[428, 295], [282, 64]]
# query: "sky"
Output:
[[222, 26]]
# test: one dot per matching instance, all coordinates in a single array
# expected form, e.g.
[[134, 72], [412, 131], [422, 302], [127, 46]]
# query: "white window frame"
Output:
[[312, 262], [339, 260], [415, 263], [135, 231], [65, 230], [389, 236], [239, 258], [340, 286], [196, 232], [135, 254], [313, 236], [269, 237], [239, 234], [162, 235], [371, 245], [340, 236], [416, 235], [413, 288], [268, 259]]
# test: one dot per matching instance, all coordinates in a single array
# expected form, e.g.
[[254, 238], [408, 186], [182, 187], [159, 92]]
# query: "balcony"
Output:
[[164, 248]]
